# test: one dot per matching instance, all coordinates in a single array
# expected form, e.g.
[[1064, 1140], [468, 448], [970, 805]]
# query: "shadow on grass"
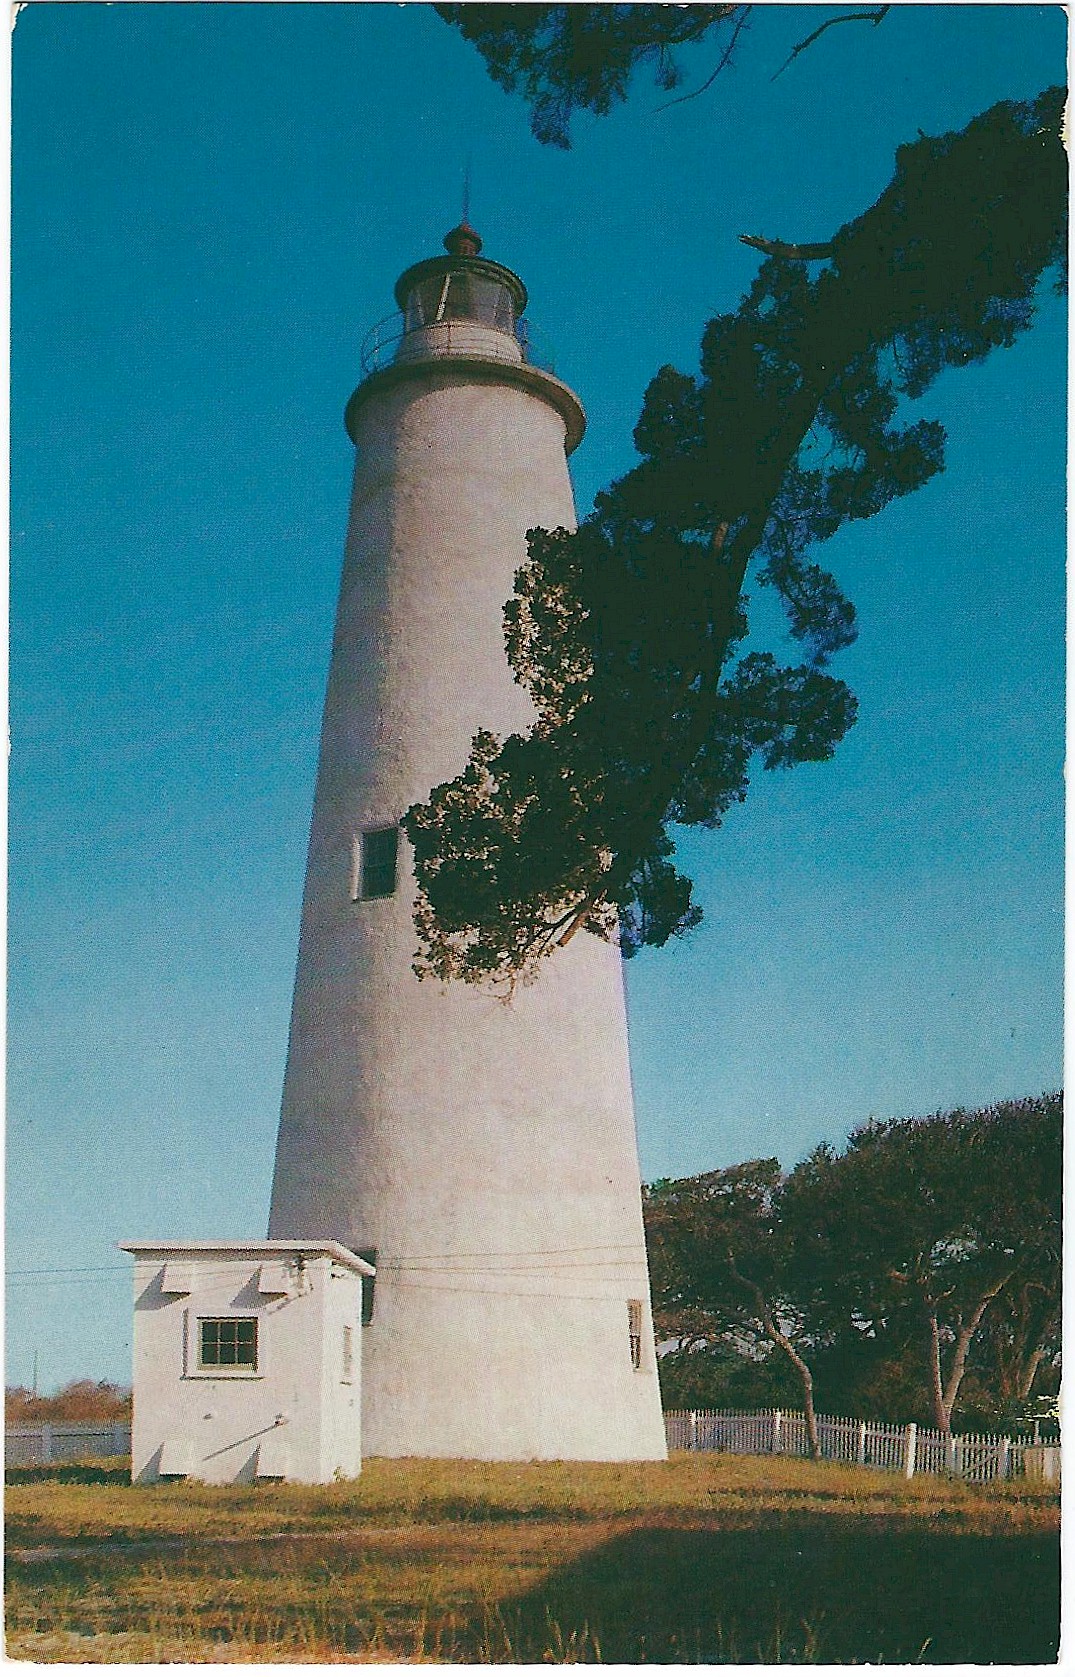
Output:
[[810, 1589], [107, 1471]]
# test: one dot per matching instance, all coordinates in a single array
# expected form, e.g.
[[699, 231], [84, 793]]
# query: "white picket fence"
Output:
[[908, 1450], [65, 1441]]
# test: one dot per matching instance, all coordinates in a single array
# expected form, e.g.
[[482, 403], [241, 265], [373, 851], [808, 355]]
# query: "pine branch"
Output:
[[795, 253], [845, 17], [725, 61]]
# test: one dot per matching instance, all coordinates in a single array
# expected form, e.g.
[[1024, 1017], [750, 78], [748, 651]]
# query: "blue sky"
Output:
[[210, 206]]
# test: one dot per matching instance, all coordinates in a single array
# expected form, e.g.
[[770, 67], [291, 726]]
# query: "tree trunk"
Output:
[[807, 1380], [1021, 1339], [966, 1334], [1026, 1380], [941, 1415], [779, 1337]]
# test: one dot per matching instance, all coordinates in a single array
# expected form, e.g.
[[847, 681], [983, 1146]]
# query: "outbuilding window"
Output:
[[228, 1342], [376, 870]]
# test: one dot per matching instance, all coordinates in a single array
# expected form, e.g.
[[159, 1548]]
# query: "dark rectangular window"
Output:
[[368, 1282], [228, 1342], [379, 850], [634, 1330]]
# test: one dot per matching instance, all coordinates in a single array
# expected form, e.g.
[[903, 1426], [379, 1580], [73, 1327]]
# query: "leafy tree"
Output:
[[922, 1261], [722, 1270], [629, 634], [921, 1225], [700, 1375], [564, 57], [1020, 1341], [1021, 1174], [79, 1400]]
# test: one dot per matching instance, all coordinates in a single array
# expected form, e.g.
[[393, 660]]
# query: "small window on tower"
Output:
[[634, 1330], [368, 1282], [348, 1354], [377, 863]]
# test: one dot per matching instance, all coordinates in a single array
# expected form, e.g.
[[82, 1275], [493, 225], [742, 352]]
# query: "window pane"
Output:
[[490, 302], [229, 1342], [460, 295], [457, 304], [379, 852], [423, 302]]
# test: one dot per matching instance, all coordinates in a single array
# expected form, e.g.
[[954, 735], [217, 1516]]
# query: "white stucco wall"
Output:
[[485, 1150], [295, 1415]]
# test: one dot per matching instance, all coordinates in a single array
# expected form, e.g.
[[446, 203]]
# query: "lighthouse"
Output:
[[479, 1152]]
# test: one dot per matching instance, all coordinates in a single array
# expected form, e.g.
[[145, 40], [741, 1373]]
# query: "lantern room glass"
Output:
[[460, 295]]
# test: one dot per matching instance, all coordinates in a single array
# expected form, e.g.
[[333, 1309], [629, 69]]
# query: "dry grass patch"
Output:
[[715, 1559]]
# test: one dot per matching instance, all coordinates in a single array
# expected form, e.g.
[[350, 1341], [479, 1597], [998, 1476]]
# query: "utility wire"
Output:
[[528, 1252], [422, 1260], [510, 1293]]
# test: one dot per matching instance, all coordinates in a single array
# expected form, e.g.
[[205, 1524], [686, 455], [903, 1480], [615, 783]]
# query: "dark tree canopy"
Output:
[[922, 1230], [710, 1239], [921, 1260], [629, 634], [723, 1271], [561, 58], [565, 58]]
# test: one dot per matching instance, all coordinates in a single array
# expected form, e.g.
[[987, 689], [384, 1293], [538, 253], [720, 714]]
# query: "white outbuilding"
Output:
[[247, 1360]]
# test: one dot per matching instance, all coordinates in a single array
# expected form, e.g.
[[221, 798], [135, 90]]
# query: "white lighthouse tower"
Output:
[[480, 1152]]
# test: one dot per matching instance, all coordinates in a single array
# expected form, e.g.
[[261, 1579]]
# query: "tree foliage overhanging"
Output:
[[629, 633], [561, 58]]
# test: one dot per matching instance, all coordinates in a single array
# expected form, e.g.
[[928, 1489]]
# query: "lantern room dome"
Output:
[[463, 240]]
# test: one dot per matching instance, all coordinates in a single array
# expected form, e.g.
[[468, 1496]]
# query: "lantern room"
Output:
[[457, 305], [463, 285]]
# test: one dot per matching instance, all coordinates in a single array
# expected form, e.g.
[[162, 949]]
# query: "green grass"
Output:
[[712, 1559]]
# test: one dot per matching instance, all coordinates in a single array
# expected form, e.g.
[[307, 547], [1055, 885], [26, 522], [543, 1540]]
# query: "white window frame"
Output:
[[194, 1369]]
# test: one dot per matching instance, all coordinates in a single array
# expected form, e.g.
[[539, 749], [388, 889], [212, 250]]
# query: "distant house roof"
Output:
[[246, 1249]]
